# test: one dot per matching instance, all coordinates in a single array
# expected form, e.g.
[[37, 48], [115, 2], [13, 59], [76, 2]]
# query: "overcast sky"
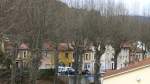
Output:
[[135, 6]]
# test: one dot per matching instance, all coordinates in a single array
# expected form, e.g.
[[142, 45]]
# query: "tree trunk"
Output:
[[76, 56], [13, 71], [56, 65], [97, 65], [117, 51]]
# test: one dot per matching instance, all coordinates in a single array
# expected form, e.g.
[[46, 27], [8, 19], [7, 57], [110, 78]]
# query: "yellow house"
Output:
[[137, 73], [65, 54]]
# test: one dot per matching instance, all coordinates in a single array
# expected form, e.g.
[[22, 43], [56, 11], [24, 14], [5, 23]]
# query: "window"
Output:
[[45, 53], [88, 66], [85, 66], [120, 57], [69, 64], [86, 56], [66, 55], [112, 66], [24, 54], [112, 59], [17, 64]]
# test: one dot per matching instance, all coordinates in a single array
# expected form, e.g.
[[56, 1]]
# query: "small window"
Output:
[[24, 54], [86, 56], [85, 66], [88, 65], [17, 64], [112, 59], [69, 64]]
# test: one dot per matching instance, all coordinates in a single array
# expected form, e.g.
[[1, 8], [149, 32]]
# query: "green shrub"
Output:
[[46, 73]]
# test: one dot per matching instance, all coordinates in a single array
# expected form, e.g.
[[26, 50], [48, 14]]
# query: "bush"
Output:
[[46, 73]]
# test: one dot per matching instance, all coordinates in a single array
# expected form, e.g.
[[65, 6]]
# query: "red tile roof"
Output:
[[48, 45], [126, 69], [125, 45], [24, 46], [65, 46]]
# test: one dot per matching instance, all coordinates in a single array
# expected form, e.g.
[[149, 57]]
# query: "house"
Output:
[[137, 73], [136, 55], [88, 59], [107, 62], [106, 59], [24, 54], [124, 55], [65, 54], [48, 56]]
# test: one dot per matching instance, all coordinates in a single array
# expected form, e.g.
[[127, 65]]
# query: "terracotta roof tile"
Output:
[[24, 46], [48, 45], [64, 46], [125, 45]]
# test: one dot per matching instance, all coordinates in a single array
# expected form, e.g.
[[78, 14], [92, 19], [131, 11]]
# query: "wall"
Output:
[[66, 60], [47, 60], [106, 59], [130, 77], [123, 58], [88, 61]]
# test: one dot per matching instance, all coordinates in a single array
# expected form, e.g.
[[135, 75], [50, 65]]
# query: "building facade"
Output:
[[24, 56], [88, 61], [65, 54], [124, 55], [107, 62], [48, 56]]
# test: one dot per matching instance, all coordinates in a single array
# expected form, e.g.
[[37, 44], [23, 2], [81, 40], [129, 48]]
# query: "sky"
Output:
[[135, 7]]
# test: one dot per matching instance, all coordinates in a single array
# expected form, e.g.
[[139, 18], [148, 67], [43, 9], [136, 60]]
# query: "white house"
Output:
[[107, 58], [136, 55], [124, 55], [89, 60]]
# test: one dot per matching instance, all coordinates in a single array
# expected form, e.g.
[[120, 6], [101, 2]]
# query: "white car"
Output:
[[60, 69], [69, 69], [65, 69]]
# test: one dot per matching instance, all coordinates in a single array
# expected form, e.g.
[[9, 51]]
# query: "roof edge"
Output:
[[130, 70]]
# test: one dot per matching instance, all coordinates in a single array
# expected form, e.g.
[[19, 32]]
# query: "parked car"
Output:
[[66, 70], [60, 69], [85, 72]]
